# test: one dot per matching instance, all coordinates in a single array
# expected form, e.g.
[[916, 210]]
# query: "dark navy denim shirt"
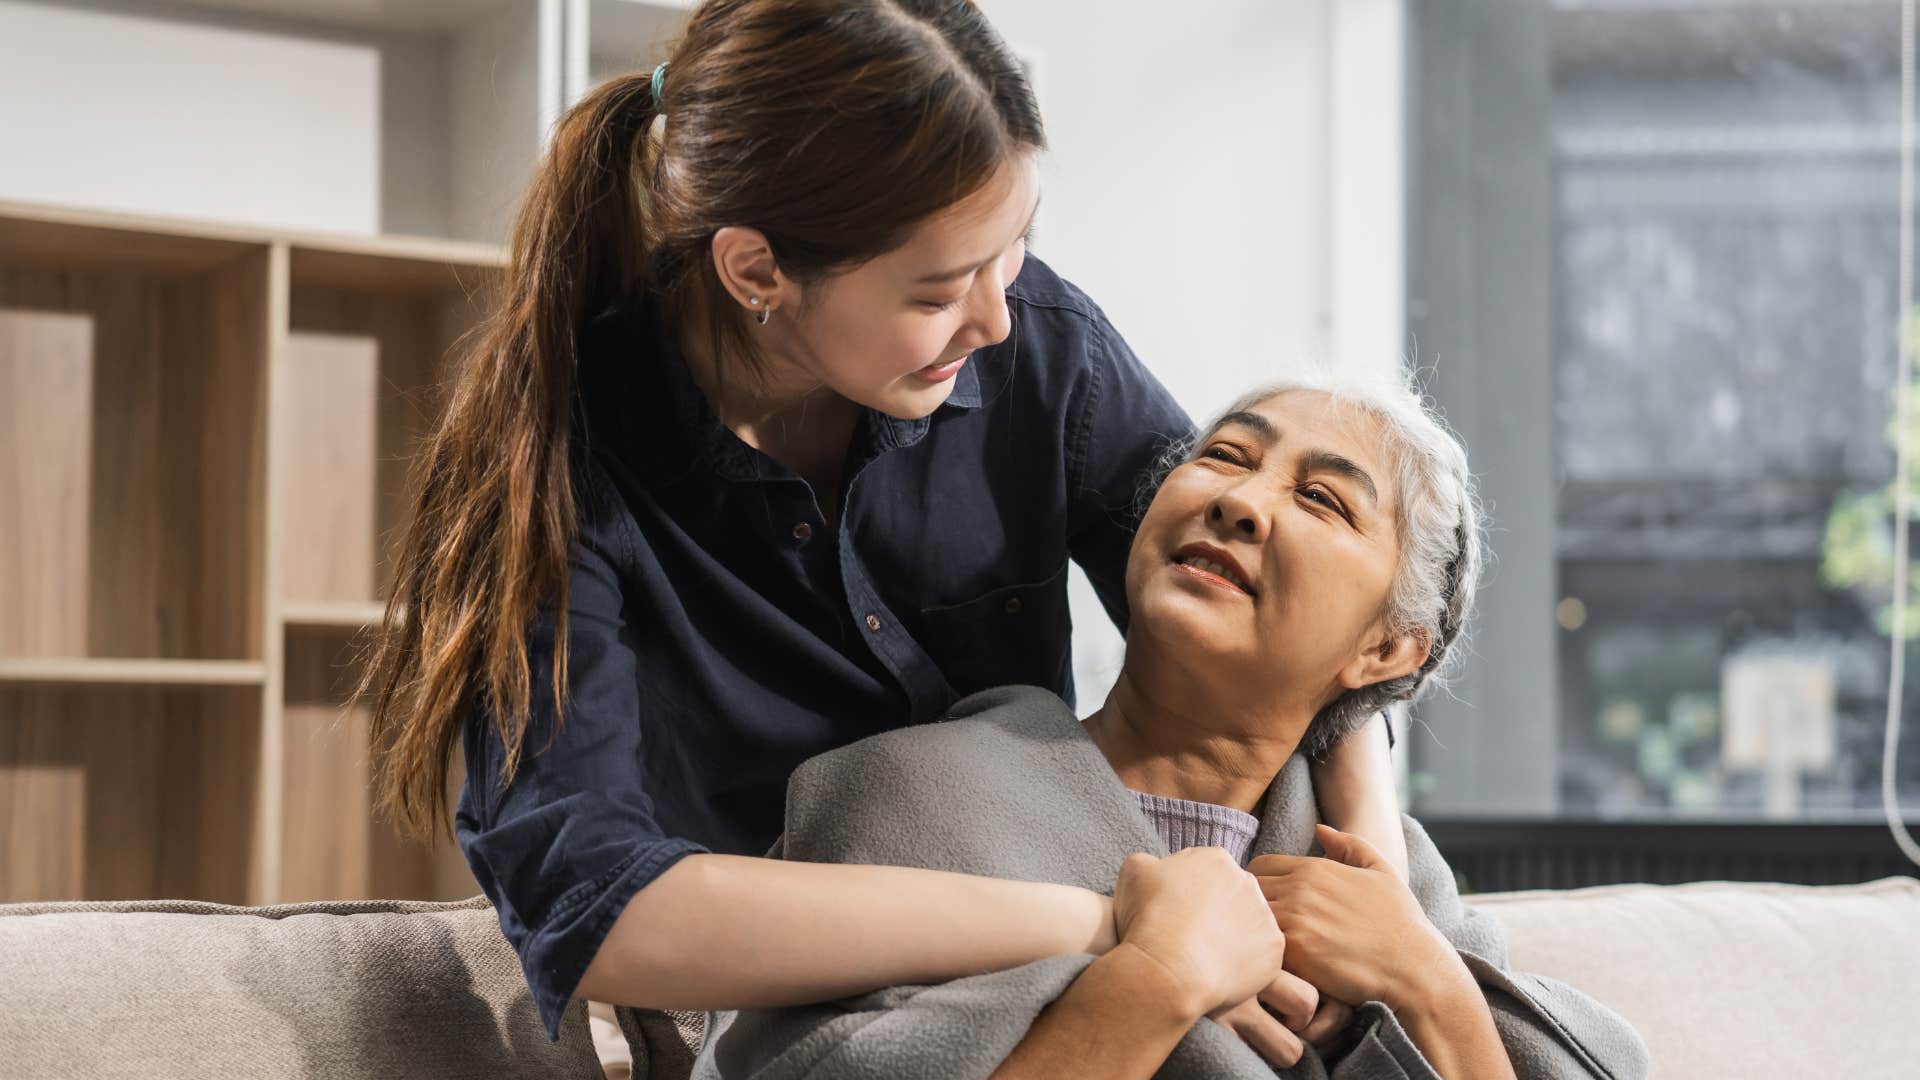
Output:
[[722, 630]]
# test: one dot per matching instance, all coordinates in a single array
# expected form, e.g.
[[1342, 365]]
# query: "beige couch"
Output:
[[1723, 980], [1740, 980]]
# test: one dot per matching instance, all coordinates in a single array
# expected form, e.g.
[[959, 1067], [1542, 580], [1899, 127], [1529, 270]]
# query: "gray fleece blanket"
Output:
[[1010, 786]]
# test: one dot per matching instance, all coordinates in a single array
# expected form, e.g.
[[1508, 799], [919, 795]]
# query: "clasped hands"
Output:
[[1281, 951]]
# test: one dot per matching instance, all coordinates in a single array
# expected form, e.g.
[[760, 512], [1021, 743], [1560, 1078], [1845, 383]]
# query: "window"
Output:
[[1653, 265]]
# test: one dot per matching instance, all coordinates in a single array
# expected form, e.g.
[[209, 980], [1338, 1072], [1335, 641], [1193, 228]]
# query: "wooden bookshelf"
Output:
[[204, 437]]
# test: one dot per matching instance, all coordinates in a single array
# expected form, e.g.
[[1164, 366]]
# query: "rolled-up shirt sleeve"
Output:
[[563, 848]]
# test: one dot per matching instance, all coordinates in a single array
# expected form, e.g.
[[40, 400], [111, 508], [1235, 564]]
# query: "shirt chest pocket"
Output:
[[1014, 635]]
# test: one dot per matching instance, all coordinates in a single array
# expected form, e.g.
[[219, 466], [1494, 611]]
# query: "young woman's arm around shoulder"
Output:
[[1355, 788], [725, 931]]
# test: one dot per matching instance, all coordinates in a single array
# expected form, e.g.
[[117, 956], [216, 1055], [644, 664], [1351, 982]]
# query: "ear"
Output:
[[743, 261], [1387, 657]]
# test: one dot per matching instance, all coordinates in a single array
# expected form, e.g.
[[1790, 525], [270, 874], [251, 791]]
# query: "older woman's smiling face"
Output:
[[1265, 563]]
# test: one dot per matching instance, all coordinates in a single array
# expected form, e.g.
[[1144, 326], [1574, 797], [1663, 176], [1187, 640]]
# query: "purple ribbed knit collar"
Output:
[[1183, 823]]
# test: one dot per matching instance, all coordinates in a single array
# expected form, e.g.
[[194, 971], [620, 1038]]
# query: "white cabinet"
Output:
[[357, 116]]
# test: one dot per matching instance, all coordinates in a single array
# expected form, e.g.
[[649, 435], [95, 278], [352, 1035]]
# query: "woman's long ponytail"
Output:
[[486, 548]]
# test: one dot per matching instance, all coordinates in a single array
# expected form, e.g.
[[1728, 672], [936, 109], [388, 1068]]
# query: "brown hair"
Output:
[[834, 127]]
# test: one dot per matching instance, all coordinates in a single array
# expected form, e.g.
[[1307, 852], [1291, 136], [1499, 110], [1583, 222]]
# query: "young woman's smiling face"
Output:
[[1267, 559], [892, 333]]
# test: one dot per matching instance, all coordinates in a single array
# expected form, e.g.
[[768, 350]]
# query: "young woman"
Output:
[[1314, 557], [777, 440]]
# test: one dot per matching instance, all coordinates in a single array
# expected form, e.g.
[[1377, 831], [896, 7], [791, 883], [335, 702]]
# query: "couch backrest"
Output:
[[1722, 979], [362, 990], [1739, 980]]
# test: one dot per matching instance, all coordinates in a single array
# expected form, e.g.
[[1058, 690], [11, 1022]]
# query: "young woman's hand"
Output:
[[1195, 937], [1353, 929], [1202, 917]]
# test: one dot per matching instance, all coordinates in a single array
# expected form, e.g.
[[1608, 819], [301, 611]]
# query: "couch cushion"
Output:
[[368, 990], [1734, 979]]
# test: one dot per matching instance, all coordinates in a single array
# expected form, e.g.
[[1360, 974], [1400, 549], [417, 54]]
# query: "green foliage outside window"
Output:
[[1857, 552]]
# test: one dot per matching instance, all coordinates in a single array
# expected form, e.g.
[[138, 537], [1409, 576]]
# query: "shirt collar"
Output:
[[966, 386], [891, 432]]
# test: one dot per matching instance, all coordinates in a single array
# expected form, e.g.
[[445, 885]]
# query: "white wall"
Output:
[[118, 112], [1186, 188], [1192, 191]]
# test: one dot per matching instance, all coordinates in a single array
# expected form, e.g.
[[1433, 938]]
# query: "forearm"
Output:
[[729, 932], [1450, 1023], [1121, 1018], [1355, 789]]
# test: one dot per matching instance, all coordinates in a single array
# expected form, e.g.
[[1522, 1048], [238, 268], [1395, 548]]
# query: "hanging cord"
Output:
[[1897, 670]]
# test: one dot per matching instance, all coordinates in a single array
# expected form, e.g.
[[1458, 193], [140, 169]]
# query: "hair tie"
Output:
[[659, 75]]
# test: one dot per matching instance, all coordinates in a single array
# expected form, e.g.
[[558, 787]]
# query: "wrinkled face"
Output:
[[892, 333], [1266, 560]]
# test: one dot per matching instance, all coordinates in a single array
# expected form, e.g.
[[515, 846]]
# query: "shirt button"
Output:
[[802, 531], [873, 622], [1014, 605]]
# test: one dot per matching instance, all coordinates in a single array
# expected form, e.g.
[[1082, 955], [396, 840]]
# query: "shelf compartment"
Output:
[[120, 793], [362, 374], [333, 846], [132, 410], [40, 235]]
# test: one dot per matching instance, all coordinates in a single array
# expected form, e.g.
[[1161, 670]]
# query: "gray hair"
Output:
[[1438, 520]]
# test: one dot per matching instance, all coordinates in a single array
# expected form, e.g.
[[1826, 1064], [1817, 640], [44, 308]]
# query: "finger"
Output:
[[1293, 998], [1268, 1038], [1276, 865], [1329, 1020], [1273, 888], [1284, 916], [1291, 896], [1135, 865], [1348, 848]]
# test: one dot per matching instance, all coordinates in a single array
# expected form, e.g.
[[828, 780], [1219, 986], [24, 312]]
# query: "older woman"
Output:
[[1311, 558]]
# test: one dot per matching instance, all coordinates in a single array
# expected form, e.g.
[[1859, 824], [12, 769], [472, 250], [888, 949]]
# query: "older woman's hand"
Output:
[[1329, 1023], [1268, 1023], [1286, 1017], [1353, 928]]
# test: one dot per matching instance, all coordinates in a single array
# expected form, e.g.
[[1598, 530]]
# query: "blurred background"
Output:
[[1644, 253]]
